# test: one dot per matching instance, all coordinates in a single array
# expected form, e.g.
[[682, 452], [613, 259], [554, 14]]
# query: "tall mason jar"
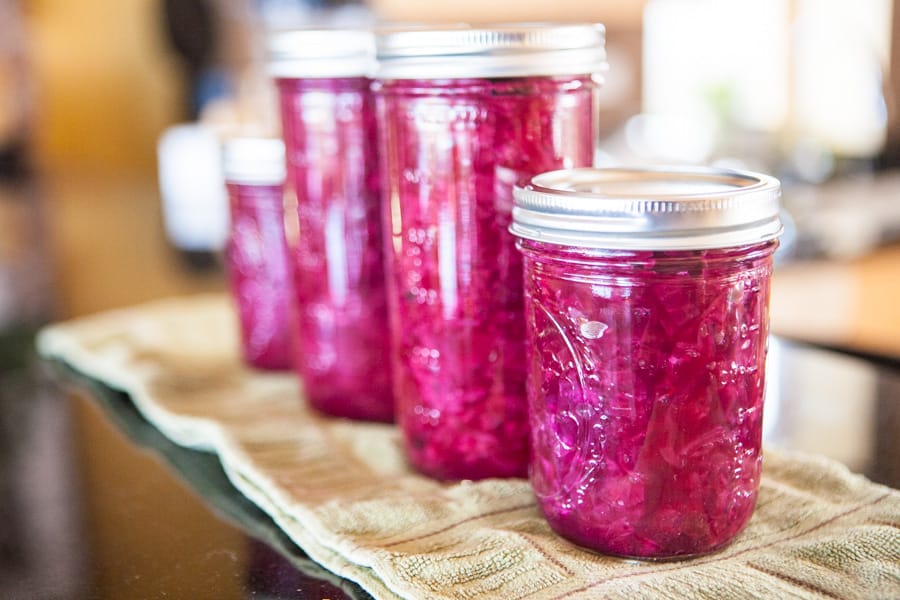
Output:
[[463, 115], [646, 301], [329, 132], [256, 255]]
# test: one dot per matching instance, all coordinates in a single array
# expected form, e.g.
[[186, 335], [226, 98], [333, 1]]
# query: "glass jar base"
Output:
[[657, 559], [465, 472], [268, 364], [687, 552], [360, 409]]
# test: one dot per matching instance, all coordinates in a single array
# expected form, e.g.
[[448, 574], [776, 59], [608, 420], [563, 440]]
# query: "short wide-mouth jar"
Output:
[[646, 306]]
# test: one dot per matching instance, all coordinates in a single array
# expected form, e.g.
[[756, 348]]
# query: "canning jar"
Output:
[[464, 114], [329, 132], [646, 301], [256, 258]]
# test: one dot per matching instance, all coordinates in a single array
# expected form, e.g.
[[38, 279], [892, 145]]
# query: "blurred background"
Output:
[[110, 189], [110, 195]]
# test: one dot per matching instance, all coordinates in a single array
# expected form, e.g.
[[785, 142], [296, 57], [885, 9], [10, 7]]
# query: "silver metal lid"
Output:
[[321, 53], [514, 50], [258, 161], [648, 209]]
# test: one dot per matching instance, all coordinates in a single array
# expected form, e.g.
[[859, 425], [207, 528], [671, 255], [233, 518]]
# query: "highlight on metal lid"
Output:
[[321, 53], [506, 50], [257, 161], [648, 209]]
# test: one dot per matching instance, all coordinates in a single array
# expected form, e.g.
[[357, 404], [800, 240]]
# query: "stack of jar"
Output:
[[626, 374]]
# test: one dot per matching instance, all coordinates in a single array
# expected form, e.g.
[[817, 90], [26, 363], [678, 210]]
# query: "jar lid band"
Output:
[[321, 53], [515, 50], [648, 209], [257, 161]]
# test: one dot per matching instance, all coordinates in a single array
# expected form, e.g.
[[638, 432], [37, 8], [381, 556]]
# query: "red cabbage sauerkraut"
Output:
[[646, 374], [258, 275], [453, 151], [342, 336]]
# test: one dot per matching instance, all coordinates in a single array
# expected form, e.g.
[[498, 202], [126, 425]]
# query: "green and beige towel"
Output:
[[343, 492]]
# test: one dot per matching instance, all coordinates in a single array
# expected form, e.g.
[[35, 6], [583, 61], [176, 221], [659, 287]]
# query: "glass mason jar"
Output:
[[646, 301], [329, 131], [256, 259], [463, 115]]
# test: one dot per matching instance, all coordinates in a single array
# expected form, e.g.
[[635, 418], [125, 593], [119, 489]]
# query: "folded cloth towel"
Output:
[[344, 493]]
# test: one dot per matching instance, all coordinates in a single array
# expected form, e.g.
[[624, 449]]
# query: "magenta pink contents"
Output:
[[453, 151], [646, 386], [258, 273], [341, 309]]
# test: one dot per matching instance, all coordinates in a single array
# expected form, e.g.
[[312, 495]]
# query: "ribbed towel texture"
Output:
[[344, 493]]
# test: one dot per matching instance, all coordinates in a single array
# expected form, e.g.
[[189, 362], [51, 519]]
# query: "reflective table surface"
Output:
[[97, 503]]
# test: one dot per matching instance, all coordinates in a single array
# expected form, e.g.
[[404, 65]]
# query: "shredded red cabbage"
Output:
[[646, 375], [258, 273], [342, 336], [453, 151]]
